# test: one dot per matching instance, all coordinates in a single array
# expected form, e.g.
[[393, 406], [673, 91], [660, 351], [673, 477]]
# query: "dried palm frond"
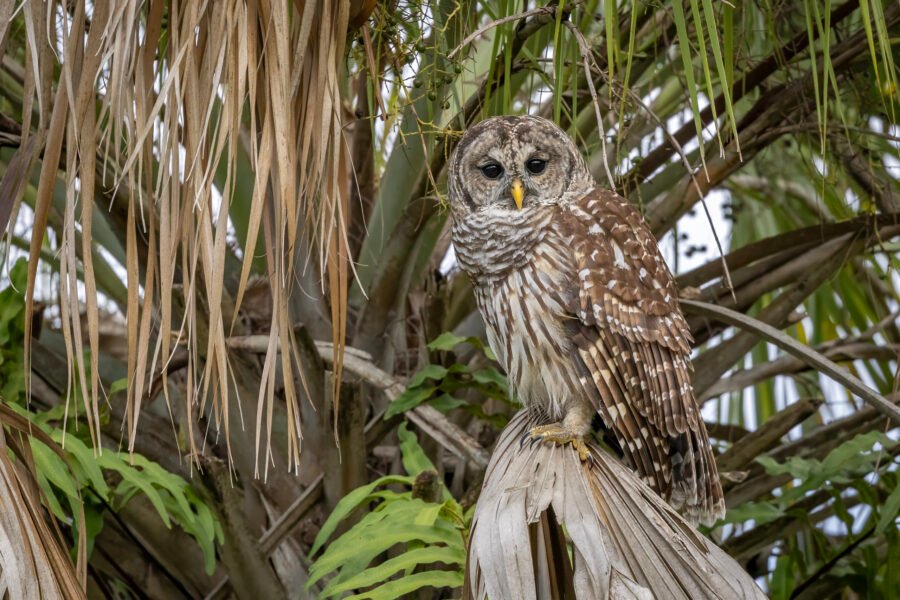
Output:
[[155, 103], [626, 541]]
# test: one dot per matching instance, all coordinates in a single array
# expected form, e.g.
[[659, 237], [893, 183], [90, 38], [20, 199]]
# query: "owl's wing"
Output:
[[634, 346]]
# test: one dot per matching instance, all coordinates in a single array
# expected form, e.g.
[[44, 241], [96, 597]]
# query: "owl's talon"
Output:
[[584, 453], [556, 433]]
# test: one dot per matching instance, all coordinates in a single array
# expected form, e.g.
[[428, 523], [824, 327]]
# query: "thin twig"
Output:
[[497, 22], [445, 432], [585, 51], [375, 72]]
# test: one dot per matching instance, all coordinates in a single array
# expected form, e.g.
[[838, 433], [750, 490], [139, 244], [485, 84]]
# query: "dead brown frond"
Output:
[[154, 103]]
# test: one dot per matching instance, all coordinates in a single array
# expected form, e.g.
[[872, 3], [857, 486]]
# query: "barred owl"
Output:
[[579, 305]]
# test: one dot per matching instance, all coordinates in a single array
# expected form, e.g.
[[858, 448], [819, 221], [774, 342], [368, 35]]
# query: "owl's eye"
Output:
[[492, 170], [535, 166]]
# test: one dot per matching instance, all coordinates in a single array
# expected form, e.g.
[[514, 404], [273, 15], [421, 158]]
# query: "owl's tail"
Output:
[[696, 491], [627, 542]]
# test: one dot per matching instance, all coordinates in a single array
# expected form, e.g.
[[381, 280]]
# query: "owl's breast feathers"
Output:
[[523, 311], [492, 244]]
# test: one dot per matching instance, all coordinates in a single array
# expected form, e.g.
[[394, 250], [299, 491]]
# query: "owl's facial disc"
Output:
[[514, 164]]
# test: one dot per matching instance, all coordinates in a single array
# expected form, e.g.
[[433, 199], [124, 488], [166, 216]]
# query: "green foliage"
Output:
[[440, 386], [95, 480], [847, 467], [85, 476], [424, 539], [12, 332], [845, 464]]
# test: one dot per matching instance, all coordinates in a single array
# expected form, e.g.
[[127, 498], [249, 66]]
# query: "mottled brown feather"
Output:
[[628, 296]]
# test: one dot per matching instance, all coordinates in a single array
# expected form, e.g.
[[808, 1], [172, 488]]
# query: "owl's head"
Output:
[[515, 164]]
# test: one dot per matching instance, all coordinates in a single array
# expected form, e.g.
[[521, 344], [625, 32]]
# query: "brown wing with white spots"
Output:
[[635, 347]]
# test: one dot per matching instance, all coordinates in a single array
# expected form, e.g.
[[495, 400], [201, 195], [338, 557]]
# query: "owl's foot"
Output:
[[557, 433]]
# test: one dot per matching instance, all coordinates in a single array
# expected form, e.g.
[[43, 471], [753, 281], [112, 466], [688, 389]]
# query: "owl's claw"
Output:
[[556, 433], [525, 437]]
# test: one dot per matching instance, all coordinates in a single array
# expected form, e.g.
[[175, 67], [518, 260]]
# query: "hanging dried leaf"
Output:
[[152, 109]]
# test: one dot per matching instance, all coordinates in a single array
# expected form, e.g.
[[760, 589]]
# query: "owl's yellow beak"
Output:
[[518, 192]]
